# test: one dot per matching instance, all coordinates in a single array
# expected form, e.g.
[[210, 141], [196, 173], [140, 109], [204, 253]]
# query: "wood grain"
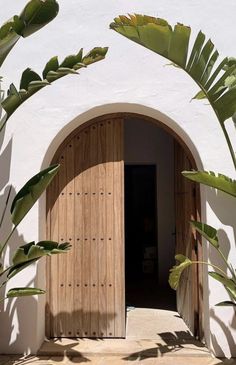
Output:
[[87, 284]]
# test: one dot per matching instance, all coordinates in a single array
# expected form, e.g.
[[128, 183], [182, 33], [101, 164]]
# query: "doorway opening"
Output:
[[149, 215], [87, 287]]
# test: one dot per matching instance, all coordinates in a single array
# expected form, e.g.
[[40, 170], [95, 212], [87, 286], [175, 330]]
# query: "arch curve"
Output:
[[136, 110], [83, 123]]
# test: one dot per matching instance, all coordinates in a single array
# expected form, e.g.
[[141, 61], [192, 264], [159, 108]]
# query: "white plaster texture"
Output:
[[131, 79]]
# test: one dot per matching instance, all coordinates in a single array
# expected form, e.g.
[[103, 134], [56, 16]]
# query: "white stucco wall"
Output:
[[131, 79]]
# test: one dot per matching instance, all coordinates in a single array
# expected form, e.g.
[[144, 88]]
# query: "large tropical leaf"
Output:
[[226, 303], [32, 251], [176, 271], [30, 193], [28, 254], [218, 84], [228, 283], [24, 292], [209, 178], [31, 82], [207, 232], [35, 15]]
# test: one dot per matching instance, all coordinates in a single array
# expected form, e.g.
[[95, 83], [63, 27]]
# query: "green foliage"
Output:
[[24, 292], [218, 85], [31, 82], [207, 232], [176, 271], [30, 193], [228, 283], [27, 254], [35, 15], [220, 181]]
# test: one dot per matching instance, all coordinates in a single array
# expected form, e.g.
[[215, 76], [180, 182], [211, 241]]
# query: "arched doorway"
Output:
[[86, 206]]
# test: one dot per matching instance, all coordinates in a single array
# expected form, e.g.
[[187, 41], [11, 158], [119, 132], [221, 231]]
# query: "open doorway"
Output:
[[141, 249], [149, 216], [91, 180]]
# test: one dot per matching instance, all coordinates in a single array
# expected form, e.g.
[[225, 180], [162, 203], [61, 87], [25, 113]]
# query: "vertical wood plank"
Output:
[[79, 236], [94, 231], [62, 259], [110, 229], [86, 255], [102, 229], [187, 301], [119, 229], [70, 173], [53, 227]]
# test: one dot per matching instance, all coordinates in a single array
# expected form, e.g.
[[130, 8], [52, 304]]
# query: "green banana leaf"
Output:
[[209, 178], [226, 303], [31, 191], [218, 84], [27, 254], [32, 251], [24, 292], [228, 283], [35, 15], [31, 82], [176, 271], [207, 232]]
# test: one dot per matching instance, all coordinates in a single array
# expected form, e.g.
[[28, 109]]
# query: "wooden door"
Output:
[[187, 243], [85, 208]]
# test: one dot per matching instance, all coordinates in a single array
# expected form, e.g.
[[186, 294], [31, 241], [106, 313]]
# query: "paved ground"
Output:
[[114, 360], [157, 337]]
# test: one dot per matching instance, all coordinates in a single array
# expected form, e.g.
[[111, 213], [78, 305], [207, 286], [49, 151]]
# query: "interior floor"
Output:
[[146, 294]]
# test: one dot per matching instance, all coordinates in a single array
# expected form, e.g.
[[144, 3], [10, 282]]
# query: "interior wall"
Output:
[[145, 143]]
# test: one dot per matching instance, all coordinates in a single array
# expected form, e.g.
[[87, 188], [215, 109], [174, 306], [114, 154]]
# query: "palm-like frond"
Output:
[[218, 84], [31, 82], [35, 15], [209, 178]]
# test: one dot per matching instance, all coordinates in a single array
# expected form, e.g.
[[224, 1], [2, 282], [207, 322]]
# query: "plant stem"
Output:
[[4, 283], [5, 208], [229, 144], [208, 264], [226, 262]]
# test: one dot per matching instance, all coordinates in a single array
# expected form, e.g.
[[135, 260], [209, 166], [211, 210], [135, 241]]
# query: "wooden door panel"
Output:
[[185, 206], [85, 207]]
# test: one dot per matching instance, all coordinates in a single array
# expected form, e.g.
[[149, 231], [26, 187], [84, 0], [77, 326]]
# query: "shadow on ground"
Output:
[[173, 342]]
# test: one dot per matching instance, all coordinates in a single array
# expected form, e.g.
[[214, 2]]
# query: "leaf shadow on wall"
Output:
[[226, 329], [13, 315], [224, 207]]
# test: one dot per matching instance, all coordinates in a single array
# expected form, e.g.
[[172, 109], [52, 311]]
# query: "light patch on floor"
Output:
[[160, 324]]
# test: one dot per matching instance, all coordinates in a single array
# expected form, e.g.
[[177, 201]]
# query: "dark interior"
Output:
[[141, 247]]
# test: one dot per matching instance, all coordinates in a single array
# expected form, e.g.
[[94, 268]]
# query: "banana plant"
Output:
[[30, 253], [217, 83], [35, 15]]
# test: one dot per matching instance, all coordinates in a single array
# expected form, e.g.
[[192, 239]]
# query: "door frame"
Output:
[[198, 300]]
